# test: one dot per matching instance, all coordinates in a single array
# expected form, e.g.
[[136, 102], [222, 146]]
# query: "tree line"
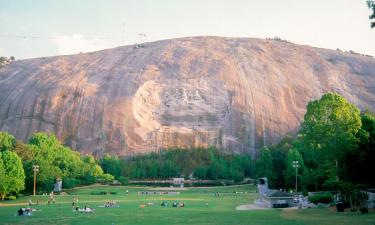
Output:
[[54, 161], [200, 163], [334, 149], [334, 146]]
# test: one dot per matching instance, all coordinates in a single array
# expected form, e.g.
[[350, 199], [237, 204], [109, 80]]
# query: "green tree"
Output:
[[57, 161], [106, 178], [47, 149], [371, 5], [359, 163], [331, 125], [169, 169], [111, 165], [7, 141], [201, 172], [91, 170], [3, 179], [279, 154], [11, 173], [218, 169], [264, 165], [290, 173], [25, 152]]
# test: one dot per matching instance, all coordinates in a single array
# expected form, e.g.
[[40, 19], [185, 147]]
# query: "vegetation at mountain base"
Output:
[[12, 175], [209, 164], [201, 207], [334, 149], [54, 161]]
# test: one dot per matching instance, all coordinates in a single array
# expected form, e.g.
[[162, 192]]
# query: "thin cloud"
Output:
[[73, 44]]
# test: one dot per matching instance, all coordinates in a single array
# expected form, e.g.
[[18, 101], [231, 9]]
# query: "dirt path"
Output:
[[251, 207]]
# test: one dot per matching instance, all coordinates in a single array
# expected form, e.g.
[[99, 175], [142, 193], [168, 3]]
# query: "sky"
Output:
[[38, 28]]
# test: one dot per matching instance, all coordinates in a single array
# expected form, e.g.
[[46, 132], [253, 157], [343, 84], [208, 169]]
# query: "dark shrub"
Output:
[[70, 182], [363, 210], [99, 193], [321, 198], [123, 180], [340, 207]]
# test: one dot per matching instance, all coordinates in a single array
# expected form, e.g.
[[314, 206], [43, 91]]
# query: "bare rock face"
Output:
[[236, 94]]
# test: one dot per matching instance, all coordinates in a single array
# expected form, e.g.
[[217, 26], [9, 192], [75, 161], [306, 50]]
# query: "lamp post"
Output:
[[35, 169], [296, 165]]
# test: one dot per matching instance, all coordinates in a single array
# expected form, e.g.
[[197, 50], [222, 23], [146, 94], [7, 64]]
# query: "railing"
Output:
[[168, 181]]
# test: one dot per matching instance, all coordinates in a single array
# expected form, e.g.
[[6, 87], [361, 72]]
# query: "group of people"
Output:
[[86, 209], [111, 204], [178, 204], [51, 198], [175, 204], [25, 211]]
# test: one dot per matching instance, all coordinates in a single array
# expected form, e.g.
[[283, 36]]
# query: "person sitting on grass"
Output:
[[164, 204], [20, 211], [25, 211], [86, 209], [174, 204]]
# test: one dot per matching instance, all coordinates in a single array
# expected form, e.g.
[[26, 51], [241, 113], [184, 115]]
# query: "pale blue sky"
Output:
[[76, 25]]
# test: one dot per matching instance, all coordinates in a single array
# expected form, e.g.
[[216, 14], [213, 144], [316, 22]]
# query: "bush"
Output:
[[70, 182], [10, 197], [123, 180], [321, 198], [99, 193], [363, 210], [105, 178], [103, 193]]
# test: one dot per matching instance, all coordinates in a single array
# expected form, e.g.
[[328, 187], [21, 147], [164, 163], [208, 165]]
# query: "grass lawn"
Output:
[[219, 211]]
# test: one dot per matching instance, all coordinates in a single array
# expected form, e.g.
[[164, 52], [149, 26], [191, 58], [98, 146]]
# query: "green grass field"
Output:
[[219, 211]]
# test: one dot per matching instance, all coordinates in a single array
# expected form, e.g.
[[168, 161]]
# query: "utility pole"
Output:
[[35, 169], [296, 165]]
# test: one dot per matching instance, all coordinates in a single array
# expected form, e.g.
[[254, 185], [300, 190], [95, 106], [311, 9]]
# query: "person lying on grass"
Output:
[[25, 211], [86, 209]]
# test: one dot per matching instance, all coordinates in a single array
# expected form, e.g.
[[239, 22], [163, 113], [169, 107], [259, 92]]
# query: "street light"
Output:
[[35, 169], [296, 165]]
